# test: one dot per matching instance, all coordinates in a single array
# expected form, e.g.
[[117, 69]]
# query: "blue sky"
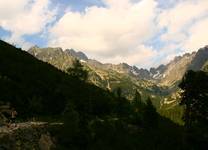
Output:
[[144, 33]]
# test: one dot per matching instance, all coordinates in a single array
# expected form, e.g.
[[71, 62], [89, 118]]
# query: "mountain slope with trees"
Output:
[[93, 118]]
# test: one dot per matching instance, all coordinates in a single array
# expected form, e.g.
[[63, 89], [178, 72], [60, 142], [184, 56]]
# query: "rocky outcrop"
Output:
[[26, 136], [200, 59], [175, 70], [54, 56], [78, 55]]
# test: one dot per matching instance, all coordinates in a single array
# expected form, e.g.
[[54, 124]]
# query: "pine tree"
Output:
[[77, 71], [119, 93], [137, 102], [195, 101], [150, 115], [137, 109], [195, 98], [122, 104]]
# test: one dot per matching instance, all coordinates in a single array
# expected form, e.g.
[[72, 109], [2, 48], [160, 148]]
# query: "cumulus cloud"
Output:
[[113, 33], [24, 17], [185, 24], [142, 56], [198, 36]]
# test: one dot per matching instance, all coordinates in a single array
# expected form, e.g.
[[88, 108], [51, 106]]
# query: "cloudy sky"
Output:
[[144, 33]]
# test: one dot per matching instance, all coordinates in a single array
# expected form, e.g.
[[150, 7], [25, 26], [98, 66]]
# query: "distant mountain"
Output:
[[174, 71], [55, 56], [78, 55], [200, 59], [159, 83], [107, 76], [165, 75], [171, 73]]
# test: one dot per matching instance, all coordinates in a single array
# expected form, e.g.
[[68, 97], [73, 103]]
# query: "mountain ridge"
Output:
[[163, 74], [160, 83]]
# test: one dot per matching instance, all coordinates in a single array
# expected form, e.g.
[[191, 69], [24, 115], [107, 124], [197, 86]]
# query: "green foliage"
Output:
[[175, 114], [77, 71], [195, 100], [137, 109], [137, 102], [150, 115], [119, 92]]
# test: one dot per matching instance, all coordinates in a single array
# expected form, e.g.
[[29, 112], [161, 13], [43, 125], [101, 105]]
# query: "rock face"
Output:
[[199, 60], [55, 56], [78, 55], [26, 137], [175, 70]]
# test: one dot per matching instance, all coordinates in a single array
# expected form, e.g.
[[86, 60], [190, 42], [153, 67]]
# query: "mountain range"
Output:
[[159, 83]]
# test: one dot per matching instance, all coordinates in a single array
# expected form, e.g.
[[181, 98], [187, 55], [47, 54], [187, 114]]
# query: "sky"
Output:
[[144, 33]]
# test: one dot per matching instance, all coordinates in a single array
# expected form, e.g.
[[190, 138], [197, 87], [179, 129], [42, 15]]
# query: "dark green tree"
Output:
[[77, 71], [150, 115], [195, 101], [137, 108], [195, 98], [70, 130], [137, 102], [122, 104], [119, 92]]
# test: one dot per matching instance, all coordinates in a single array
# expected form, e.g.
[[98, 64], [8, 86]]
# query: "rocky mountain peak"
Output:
[[200, 59], [79, 55]]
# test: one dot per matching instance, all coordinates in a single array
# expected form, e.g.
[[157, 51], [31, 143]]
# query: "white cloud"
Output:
[[142, 56], [115, 33], [10, 8], [24, 17], [18, 41], [198, 36], [178, 17], [185, 24]]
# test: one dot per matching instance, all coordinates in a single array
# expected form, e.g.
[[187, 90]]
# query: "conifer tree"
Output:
[[77, 71], [150, 115], [195, 101], [137, 102]]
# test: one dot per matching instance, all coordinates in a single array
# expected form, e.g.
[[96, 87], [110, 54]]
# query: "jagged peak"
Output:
[[79, 55], [35, 47]]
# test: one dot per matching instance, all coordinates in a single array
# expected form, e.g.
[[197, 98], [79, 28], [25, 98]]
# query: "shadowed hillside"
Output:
[[92, 118]]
